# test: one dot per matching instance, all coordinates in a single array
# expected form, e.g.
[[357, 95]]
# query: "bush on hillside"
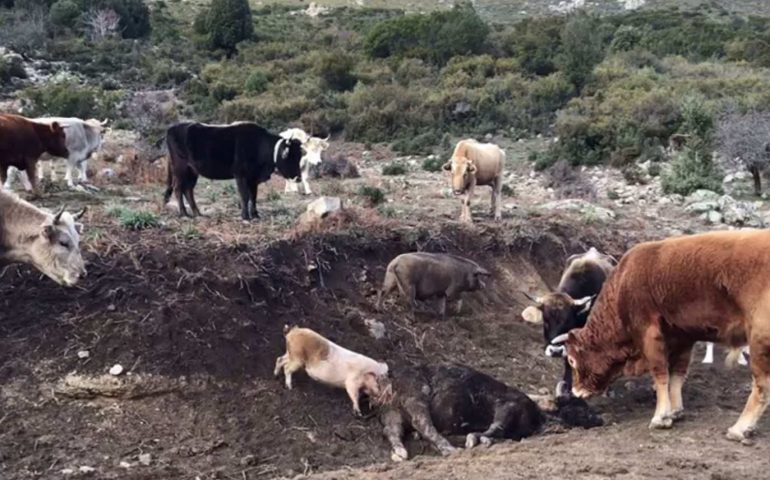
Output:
[[582, 49], [691, 170], [69, 99], [535, 43], [336, 70], [64, 14], [229, 22], [435, 37]]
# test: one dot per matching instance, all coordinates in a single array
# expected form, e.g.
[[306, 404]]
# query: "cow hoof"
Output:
[[448, 450], [471, 440], [399, 454], [677, 415], [742, 436], [661, 423], [485, 441]]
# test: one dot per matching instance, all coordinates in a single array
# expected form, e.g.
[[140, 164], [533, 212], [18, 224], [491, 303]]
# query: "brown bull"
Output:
[[662, 298]]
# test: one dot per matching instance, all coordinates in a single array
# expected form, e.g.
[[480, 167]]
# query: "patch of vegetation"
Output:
[[226, 23], [432, 164], [395, 168], [692, 170], [70, 99], [134, 219], [373, 195]]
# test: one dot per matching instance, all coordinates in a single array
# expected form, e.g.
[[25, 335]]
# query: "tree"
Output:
[[582, 49], [102, 24], [229, 22], [745, 138], [133, 14]]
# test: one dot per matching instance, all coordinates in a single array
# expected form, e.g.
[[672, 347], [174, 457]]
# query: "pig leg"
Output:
[[353, 387], [442, 308], [388, 285], [289, 368], [419, 413], [409, 291], [393, 428], [279, 363]]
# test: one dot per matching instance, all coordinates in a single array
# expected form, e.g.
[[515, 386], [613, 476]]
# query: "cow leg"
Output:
[[279, 363], [497, 191], [709, 357], [25, 180], [253, 200], [244, 193], [32, 177], [189, 193], [654, 349], [305, 176], [68, 175], [393, 429], [564, 387], [179, 193], [465, 216], [760, 389], [5, 178], [679, 359], [495, 429], [419, 413], [83, 167]]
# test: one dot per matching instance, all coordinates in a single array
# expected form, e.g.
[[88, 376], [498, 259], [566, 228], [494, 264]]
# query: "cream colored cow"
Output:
[[473, 164]]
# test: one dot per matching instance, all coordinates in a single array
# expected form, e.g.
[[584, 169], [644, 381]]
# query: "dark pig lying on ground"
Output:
[[424, 276], [451, 399]]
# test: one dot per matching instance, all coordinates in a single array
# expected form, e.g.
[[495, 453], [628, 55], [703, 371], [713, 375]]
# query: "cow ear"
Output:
[[79, 228], [532, 315], [471, 168], [447, 166], [49, 231]]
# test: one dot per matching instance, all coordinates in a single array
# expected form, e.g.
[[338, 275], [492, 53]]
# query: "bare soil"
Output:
[[194, 312]]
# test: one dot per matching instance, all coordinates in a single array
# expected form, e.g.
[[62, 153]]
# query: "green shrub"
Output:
[[626, 37], [435, 37], [256, 82], [508, 191], [422, 144], [169, 74], [395, 168], [689, 171], [654, 170], [432, 164], [11, 67], [697, 118], [134, 219], [64, 14], [535, 43], [582, 49], [69, 99], [336, 70], [373, 195], [229, 22]]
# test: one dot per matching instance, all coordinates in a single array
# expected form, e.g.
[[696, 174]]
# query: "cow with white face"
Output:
[[83, 138], [312, 147], [48, 242]]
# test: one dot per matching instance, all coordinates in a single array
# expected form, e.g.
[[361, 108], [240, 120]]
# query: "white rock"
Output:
[[145, 459], [67, 471], [702, 196], [702, 207], [84, 354], [323, 206], [728, 178], [124, 464], [107, 173], [116, 369], [376, 328], [714, 217], [86, 469]]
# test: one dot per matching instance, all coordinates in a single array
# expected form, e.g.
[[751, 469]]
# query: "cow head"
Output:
[[55, 249], [463, 174], [558, 313], [313, 148], [475, 278], [595, 367], [54, 140], [288, 154]]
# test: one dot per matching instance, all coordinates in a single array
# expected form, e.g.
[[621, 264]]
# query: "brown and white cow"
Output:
[[473, 164], [662, 298], [22, 141], [49, 242], [329, 363], [568, 307]]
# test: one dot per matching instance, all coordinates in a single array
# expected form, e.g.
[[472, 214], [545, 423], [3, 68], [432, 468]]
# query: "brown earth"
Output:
[[194, 312]]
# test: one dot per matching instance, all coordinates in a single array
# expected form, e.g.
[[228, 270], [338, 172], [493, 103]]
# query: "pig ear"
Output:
[[532, 315]]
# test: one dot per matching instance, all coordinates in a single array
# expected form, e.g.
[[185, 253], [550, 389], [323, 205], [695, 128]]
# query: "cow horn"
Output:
[[534, 299], [572, 258], [57, 215], [328, 137], [104, 122], [582, 301], [560, 338], [80, 213]]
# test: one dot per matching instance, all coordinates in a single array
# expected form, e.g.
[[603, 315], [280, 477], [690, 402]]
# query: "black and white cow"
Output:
[[568, 307], [242, 150]]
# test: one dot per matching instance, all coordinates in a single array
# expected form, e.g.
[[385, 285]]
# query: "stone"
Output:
[[116, 369], [702, 196], [145, 459], [84, 354], [728, 179], [107, 173], [323, 206], [581, 206], [376, 328], [702, 207], [714, 217]]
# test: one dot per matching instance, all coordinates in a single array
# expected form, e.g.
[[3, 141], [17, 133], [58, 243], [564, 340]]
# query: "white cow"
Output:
[[83, 138], [312, 148], [49, 242]]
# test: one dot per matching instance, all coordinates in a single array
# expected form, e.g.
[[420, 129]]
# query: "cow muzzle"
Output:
[[555, 351], [457, 193]]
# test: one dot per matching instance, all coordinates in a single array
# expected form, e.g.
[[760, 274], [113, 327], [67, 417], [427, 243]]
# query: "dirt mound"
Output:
[[204, 322]]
